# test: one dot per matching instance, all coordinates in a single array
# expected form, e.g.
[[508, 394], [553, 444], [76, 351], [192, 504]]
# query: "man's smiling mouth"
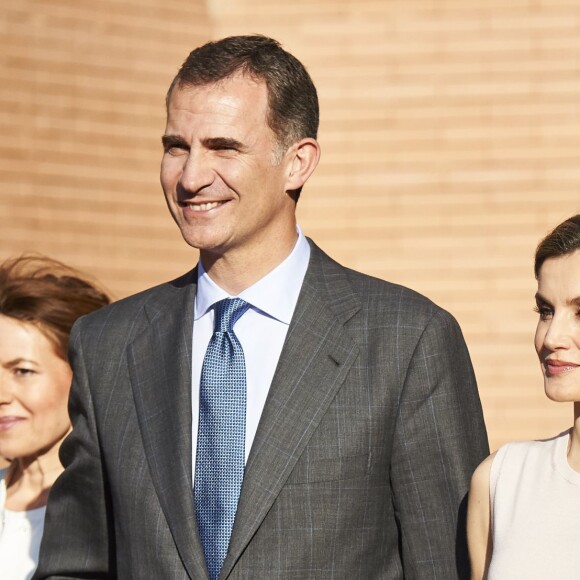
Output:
[[203, 206]]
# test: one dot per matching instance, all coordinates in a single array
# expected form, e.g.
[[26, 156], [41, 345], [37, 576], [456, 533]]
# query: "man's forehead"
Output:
[[237, 84], [236, 103]]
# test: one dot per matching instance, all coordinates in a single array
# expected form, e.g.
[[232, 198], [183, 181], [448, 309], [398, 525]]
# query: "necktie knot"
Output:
[[228, 312]]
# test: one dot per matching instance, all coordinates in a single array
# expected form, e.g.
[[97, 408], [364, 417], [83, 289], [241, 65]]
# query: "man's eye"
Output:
[[175, 150]]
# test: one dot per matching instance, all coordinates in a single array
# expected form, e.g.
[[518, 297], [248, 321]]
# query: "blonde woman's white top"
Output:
[[20, 535], [535, 503]]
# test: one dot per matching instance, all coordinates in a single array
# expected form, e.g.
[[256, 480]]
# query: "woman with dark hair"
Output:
[[524, 502], [40, 299]]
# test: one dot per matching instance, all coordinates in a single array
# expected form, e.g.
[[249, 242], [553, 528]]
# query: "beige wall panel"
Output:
[[82, 88], [451, 137], [450, 134]]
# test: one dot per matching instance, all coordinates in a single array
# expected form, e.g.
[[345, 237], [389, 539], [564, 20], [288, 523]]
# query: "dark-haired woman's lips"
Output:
[[559, 367]]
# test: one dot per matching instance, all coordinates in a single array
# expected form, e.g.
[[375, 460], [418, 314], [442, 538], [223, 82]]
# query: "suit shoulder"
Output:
[[125, 310], [383, 301], [385, 295]]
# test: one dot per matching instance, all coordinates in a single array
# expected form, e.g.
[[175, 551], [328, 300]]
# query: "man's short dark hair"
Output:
[[292, 99]]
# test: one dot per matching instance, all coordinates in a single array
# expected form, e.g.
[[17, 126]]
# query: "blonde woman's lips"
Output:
[[7, 423]]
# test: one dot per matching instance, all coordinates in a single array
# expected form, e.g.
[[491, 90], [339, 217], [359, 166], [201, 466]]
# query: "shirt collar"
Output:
[[276, 294]]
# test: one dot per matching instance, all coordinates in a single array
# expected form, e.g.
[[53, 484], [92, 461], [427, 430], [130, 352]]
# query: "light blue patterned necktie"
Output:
[[219, 466]]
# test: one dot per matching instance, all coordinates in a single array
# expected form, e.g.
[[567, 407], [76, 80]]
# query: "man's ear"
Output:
[[303, 161]]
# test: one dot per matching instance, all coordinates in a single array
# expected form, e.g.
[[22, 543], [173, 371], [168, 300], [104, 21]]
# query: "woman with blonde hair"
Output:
[[40, 299], [524, 502]]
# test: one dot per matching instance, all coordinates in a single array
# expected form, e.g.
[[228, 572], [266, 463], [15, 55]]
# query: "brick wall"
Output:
[[82, 85], [450, 135]]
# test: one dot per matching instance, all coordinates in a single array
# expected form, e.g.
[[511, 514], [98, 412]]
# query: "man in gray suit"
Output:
[[362, 423]]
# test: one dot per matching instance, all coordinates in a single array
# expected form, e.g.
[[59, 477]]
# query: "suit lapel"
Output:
[[315, 360], [160, 370]]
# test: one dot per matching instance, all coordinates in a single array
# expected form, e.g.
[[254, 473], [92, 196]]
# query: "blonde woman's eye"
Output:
[[22, 372]]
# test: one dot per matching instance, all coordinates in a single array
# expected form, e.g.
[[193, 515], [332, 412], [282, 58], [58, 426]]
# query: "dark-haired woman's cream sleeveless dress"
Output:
[[535, 502]]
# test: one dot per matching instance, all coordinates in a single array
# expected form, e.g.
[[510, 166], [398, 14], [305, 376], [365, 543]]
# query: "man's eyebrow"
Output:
[[170, 141], [223, 143]]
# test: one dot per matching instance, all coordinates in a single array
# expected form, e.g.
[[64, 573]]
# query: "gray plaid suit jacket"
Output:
[[360, 465]]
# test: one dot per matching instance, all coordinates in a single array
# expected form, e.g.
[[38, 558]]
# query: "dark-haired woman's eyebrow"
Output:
[[540, 300]]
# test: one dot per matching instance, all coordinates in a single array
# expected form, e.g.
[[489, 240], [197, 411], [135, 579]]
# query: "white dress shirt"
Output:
[[20, 535], [261, 331]]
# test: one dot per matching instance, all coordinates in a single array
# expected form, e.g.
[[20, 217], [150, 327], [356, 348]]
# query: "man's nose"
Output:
[[197, 172]]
